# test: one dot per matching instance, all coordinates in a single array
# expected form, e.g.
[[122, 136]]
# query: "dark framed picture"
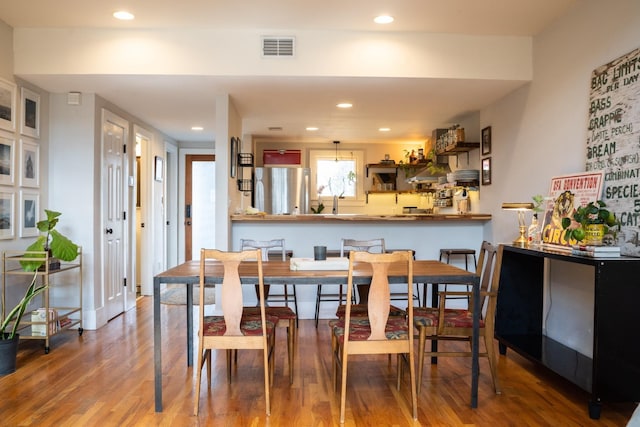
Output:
[[159, 169], [30, 123], [233, 156], [486, 141], [486, 171]]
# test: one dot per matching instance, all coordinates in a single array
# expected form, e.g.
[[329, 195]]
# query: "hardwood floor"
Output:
[[105, 378]]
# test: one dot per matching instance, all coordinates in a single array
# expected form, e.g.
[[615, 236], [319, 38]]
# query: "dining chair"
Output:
[[235, 328], [377, 333], [346, 245], [360, 309], [287, 318], [441, 323]]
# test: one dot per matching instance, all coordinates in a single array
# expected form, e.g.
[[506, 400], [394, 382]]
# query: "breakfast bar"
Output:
[[425, 234]]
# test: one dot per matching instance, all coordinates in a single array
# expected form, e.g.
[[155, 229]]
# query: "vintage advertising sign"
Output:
[[613, 142], [567, 192]]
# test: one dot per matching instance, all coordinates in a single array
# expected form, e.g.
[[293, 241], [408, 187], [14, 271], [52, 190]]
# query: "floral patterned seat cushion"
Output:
[[281, 312], [362, 310], [360, 330], [453, 317], [249, 325]]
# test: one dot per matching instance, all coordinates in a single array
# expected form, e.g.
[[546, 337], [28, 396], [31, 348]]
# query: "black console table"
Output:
[[613, 373]]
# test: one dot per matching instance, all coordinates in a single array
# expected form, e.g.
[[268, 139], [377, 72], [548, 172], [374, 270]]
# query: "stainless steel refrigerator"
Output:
[[279, 190]]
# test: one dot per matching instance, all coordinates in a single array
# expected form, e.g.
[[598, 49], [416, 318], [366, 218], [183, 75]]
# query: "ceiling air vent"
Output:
[[278, 46]]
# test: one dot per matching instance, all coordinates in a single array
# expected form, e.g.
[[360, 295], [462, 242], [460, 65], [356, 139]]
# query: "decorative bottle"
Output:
[[534, 235]]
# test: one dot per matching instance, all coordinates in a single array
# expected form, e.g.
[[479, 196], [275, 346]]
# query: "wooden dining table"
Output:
[[279, 272]]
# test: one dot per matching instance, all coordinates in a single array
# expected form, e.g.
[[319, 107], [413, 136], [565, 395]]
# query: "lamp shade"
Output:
[[516, 206]]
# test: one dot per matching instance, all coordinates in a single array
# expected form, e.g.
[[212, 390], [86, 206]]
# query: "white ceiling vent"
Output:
[[278, 46]]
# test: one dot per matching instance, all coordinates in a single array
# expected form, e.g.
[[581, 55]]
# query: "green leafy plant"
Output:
[[51, 241], [16, 313], [319, 209], [538, 199], [592, 213]]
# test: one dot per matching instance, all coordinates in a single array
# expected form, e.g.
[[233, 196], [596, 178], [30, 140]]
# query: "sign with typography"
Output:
[[613, 142], [566, 194]]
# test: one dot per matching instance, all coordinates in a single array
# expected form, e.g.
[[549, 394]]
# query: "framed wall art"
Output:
[[30, 123], [486, 171], [6, 214], [486, 141], [7, 105], [29, 164], [159, 169], [7, 160], [29, 209]]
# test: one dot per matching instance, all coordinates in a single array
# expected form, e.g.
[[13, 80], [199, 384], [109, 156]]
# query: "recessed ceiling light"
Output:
[[197, 128], [383, 19], [344, 105], [312, 128], [384, 129], [123, 15]]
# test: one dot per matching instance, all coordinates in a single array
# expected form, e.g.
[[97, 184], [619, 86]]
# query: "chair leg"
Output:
[[493, 362], [412, 376], [208, 359], [400, 370], [334, 361], [343, 386], [196, 405], [291, 332], [268, 376], [229, 364], [422, 337]]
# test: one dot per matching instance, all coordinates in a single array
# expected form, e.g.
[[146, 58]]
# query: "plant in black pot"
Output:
[[52, 242], [10, 325]]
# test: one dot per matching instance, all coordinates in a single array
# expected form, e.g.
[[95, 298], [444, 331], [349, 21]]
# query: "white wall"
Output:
[[540, 130]]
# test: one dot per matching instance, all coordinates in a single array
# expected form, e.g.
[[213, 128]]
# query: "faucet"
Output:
[[335, 205]]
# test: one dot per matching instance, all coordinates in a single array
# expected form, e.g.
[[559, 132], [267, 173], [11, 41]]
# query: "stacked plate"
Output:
[[467, 175]]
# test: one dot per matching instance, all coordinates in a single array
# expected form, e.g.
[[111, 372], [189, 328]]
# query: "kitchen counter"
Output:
[[360, 218], [423, 233]]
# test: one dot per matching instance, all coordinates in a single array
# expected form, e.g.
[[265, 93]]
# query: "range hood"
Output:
[[430, 173]]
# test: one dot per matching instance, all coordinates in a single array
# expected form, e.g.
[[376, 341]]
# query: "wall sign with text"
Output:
[[613, 142]]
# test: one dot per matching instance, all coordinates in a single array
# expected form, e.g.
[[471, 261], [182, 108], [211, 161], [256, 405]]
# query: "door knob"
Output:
[[109, 231]]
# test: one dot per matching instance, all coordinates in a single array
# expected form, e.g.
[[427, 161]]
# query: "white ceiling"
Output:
[[410, 107]]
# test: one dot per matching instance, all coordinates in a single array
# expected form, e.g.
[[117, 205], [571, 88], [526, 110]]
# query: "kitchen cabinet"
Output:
[[64, 283]]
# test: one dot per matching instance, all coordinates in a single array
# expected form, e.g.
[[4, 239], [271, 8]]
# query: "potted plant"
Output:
[[9, 332], [590, 223], [53, 242]]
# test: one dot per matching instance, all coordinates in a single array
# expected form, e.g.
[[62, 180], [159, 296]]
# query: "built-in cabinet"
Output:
[[64, 283]]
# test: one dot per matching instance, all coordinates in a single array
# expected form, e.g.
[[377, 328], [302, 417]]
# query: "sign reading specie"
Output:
[[613, 142]]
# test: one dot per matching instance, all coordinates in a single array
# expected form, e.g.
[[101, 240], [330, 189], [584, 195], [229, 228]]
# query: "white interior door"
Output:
[[114, 135]]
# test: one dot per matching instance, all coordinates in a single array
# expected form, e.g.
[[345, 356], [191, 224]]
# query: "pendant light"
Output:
[[336, 144]]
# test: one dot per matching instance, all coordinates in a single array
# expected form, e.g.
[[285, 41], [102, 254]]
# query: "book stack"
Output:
[[596, 251]]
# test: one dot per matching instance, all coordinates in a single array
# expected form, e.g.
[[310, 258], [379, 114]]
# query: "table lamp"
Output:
[[520, 208]]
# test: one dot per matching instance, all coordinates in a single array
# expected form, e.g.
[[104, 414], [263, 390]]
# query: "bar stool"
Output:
[[448, 252]]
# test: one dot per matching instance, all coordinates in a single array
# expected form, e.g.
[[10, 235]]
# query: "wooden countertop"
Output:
[[361, 218]]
